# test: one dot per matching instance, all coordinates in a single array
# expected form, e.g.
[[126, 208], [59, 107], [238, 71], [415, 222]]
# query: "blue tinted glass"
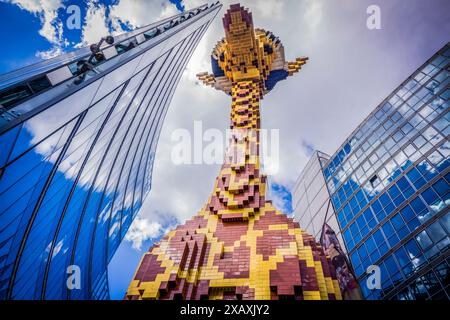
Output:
[[384, 273], [353, 203], [397, 222], [399, 200], [364, 231], [372, 223], [443, 165], [369, 195], [347, 148], [429, 196], [381, 215], [390, 208], [391, 266], [361, 222], [393, 240], [350, 245], [387, 229], [335, 201], [370, 245], [347, 235], [403, 232], [375, 255], [427, 170], [419, 183], [408, 192], [366, 263], [359, 270], [326, 173], [376, 206], [360, 196], [417, 205], [341, 218], [341, 194], [368, 214], [394, 192], [357, 237], [347, 211], [7, 141], [354, 229], [378, 237], [341, 156], [403, 184], [24, 180], [363, 202], [407, 213], [362, 252], [402, 257], [383, 248], [447, 177], [384, 199], [406, 165], [348, 188], [331, 167], [354, 257], [413, 224], [413, 175], [441, 187], [412, 249]]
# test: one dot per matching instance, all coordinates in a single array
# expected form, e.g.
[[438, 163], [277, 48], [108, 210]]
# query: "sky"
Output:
[[350, 71]]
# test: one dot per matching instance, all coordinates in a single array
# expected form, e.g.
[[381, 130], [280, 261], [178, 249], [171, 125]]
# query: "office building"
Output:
[[78, 135], [389, 186]]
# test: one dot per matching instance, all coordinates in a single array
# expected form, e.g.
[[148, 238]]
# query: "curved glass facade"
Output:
[[311, 200], [77, 154], [389, 185]]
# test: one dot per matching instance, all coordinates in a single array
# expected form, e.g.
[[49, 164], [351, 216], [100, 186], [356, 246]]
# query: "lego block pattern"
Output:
[[239, 246], [247, 53]]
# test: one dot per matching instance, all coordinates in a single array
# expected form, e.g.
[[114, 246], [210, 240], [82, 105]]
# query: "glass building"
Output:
[[311, 200], [389, 186], [78, 135]]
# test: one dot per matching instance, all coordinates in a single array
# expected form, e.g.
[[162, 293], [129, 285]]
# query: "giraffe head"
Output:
[[248, 54]]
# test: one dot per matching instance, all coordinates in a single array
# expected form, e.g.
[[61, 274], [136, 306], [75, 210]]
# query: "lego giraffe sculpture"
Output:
[[239, 246]]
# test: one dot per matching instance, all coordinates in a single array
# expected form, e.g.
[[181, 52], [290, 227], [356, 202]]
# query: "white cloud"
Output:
[[47, 10], [142, 230], [99, 21], [313, 13], [270, 9], [95, 24], [52, 52], [137, 13]]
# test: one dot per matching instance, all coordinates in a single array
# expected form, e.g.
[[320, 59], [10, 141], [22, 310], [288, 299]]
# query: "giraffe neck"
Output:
[[245, 104], [240, 188]]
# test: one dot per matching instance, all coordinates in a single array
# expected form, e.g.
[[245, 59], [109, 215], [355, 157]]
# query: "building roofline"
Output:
[[42, 67]]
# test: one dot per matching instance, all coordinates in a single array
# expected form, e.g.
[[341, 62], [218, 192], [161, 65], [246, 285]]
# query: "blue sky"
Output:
[[19, 29], [19, 51], [351, 70]]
